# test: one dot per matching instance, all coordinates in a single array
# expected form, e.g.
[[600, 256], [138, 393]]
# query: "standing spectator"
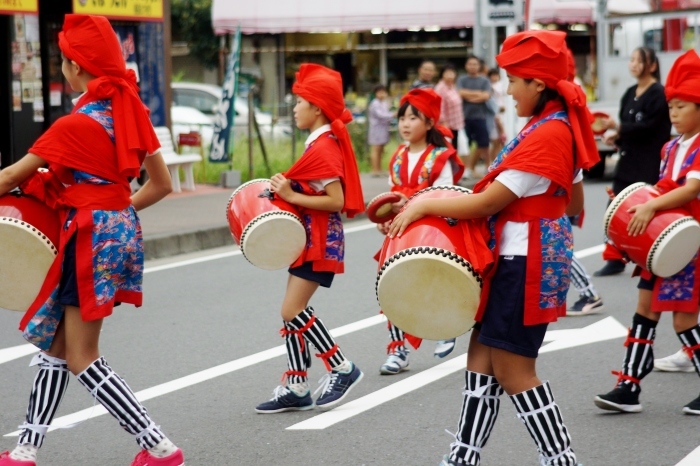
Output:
[[475, 90], [451, 115], [380, 116], [495, 105], [426, 73], [643, 130]]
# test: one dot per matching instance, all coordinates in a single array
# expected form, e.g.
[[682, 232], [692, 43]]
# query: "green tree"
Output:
[[191, 23]]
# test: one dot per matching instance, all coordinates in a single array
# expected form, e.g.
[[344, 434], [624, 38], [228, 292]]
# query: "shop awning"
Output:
[[274, 16], [562, 11]]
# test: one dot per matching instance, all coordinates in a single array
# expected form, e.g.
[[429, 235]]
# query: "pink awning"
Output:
[[275, 16], [561, 11]]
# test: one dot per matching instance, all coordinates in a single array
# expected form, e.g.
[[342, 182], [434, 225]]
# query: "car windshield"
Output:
[[202, 101]]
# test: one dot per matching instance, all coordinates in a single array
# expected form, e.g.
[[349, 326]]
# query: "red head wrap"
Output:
[[428, 102], [683, 81], [542, 55], [570, 65], [91, 42], [323, 88]]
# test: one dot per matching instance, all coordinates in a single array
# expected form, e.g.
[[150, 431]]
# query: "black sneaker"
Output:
[[693, 407], [585, 306], [621, 399], [285, 400], [336, 385], [610, 268]]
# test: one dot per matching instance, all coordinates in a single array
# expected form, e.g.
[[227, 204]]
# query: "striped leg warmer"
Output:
[[317, 334], [691, 345], [639, 357], [543, 420], [581, 280], [50, 385], [397, 339], [115, 395], [479, 413], [298, 355]]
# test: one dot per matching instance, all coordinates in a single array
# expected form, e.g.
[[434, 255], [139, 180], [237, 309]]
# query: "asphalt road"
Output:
[[222, 313]]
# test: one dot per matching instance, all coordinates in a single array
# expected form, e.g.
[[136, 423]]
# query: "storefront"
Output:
[[33, 92]]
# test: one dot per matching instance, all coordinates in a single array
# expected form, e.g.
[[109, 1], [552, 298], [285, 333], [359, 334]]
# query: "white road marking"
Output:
[[693, 459], [604, 329], [202, 376], [589, 251], [16, 352]]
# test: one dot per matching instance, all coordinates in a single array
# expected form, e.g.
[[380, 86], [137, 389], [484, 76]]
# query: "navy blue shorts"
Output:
[[68, 287], [306, 272], [645, 284], [502, 325], [477, 132]]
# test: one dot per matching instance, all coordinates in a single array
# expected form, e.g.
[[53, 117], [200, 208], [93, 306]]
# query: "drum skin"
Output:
[[270, 233], [669, 241], [379, 208], [29, 238], [426, 285]]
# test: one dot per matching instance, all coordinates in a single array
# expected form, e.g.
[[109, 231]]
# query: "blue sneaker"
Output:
[[336, 385], [444, 347], [286, 400]]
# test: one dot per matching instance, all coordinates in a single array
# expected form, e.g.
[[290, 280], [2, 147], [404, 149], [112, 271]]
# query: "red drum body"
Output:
[[29, 237], [669, 242], [426, 285], [270, 232]]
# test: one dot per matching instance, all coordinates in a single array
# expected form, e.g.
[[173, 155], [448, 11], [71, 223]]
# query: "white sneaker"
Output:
[[396, 362], [677, 362], [444, 348]]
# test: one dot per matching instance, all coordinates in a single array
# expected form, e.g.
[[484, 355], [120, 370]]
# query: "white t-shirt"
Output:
[[523, 184], [319, 185], [444, 179], [683, 147]]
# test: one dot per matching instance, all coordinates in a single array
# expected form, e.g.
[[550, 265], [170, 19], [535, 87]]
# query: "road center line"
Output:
[[604, 329], [207, 374]]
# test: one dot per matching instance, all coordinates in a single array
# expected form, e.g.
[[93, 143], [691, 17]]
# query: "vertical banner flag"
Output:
[[224, 116]]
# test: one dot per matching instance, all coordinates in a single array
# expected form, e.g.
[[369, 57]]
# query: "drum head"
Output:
[[273, 240], [615, 204], [670, 252], [429, 292], [26, 255], [379, 208]]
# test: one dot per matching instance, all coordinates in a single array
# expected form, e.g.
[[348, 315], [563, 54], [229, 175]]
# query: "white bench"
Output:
[[175, 161]]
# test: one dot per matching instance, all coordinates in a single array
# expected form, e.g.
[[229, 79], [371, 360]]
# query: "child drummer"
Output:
[[322, 183], [680, 187], [426, 159], [525, 196]]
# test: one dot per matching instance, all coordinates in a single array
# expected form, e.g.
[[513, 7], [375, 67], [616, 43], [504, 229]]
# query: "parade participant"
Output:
[[92, 154], [524, 195], [379, 115], [426, 159], [643, 129], [323, 183], [680, 187]]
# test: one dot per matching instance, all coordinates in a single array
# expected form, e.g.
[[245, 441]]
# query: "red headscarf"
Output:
[[683, 81], [323, 88], [428, 102], [543, 55], [91, 42], [570, 65]]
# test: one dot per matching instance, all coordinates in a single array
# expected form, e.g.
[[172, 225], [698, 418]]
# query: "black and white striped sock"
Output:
[[315, 332], [115, 395], [298, 355], [639, 357], [691, 344], [50, 385], [543, 420], [397, 339], [581, 280], [478, 416]]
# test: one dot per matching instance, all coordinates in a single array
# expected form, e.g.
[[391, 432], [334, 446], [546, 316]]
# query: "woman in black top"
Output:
[[643, 129]]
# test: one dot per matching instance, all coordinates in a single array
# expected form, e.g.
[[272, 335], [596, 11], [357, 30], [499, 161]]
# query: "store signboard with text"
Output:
[[134, 10], [10, 7]]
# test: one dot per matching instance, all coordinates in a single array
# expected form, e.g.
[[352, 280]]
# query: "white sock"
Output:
[[299, 389], [164, 449], [26, 452], [343, 367]]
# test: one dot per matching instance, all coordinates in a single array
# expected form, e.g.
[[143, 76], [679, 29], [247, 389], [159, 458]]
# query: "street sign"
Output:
[[134, 10], [501, 12], [10, 7]]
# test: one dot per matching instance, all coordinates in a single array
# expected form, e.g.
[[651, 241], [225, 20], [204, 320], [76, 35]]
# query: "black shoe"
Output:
[[693, 407], [610, 268], [621, 399]]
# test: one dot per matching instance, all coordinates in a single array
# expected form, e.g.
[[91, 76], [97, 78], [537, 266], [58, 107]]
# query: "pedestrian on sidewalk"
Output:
[[529, 187], [679, 187], [380, 116], [475, 90], [643, 130], [92, 154], [323, 183], [451, 114], [426, 159]]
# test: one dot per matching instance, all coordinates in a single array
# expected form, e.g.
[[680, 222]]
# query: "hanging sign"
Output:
[[501, 12], [10, 7], [135, 10]]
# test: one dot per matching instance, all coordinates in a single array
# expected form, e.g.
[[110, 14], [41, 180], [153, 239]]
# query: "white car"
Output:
[[188, 119], [205, 98]]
